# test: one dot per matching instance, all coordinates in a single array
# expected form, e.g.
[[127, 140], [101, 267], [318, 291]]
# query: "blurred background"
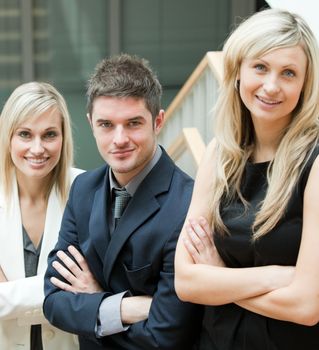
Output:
[[60, 41]]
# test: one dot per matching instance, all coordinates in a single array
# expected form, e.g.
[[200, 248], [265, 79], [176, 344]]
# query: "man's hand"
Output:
[[199, 243], [79, 277], [3, 277], [135, 309]]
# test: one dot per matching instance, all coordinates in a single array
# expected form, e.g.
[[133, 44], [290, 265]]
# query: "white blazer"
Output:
[[21, 298]]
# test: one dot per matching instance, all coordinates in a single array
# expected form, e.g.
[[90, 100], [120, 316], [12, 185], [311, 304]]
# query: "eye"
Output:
[[260, 67], [134, 123], [105, 124], [50, 134], [289, 73], [24, 134]]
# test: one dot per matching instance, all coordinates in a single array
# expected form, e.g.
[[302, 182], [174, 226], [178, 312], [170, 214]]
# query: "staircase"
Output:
[[188, 124]]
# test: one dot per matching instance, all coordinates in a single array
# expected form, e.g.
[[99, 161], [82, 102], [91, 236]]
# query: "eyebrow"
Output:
[[285, 66], [138, 117], [290, 65], [29, 129], [101, 120]]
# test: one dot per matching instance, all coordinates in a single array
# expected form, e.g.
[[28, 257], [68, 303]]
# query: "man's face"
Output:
[[125, 134]]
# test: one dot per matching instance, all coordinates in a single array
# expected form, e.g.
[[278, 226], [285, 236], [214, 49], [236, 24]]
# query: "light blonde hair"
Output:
[[263, 32], [26, 101]]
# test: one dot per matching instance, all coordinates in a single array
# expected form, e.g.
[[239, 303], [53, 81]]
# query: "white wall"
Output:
[[308, 9]]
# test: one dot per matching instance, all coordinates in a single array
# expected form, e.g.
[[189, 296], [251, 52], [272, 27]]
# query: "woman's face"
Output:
[[36, 145], [270, 85]]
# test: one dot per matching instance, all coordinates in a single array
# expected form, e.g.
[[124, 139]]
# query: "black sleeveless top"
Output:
[[230, 327]]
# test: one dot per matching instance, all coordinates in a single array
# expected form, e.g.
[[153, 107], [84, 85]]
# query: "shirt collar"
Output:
[[132, 186]]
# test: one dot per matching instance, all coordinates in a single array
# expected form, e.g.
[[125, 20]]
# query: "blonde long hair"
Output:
[[263, 32], [31, 100]]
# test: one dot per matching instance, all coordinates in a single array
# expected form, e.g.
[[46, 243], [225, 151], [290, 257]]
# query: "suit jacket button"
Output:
[[48, 334]]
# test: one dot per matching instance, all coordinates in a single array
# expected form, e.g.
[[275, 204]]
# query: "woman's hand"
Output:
[[3, 277], [78, 275], [199, 243]]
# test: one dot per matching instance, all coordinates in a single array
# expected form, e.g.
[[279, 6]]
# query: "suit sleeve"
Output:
[[22, 300], [172, 324], [75, 313]]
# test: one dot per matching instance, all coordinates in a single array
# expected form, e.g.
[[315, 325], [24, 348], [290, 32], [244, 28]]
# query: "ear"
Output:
[[237, 80], [89, 118], [159, 122], [237, 84]]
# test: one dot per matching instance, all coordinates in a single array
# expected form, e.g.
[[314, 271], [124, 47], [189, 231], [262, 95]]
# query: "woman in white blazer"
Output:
[[36, 154]]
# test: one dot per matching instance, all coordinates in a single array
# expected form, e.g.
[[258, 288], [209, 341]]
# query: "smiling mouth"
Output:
[[37, 161], [121, 152], [268, 102]]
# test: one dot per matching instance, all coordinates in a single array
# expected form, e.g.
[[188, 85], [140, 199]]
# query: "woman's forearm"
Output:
[[212, 285], [293, 303]]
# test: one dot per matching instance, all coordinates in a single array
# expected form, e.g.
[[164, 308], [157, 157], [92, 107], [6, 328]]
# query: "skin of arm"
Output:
[[299, 301], [215, 284], [296, 302], [135, 309], [80, 280]]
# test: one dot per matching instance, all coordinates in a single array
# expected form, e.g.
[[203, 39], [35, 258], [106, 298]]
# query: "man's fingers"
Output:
[[62, 285], [64, 272], [69, 263], [78, 257]]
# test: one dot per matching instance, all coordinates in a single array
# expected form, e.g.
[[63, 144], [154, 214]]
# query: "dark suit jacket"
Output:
[[139, 257]]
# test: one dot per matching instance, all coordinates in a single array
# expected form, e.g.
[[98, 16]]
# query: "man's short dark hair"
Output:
[[125, 76]]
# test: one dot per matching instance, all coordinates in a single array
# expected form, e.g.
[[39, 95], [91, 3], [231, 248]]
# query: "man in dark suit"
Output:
[[110, 278]]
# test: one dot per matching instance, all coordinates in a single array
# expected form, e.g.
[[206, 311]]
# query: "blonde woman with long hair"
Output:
[[36, 156], [249, 246]]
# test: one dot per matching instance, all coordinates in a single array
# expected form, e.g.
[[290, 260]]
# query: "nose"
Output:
[[271, 85], [120, 136], [36, 146]]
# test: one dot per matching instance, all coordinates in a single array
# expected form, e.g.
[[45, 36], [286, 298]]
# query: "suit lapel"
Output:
[[11, 239], [52, 224], [51, 229], [141, 207], [137, 212], [98, 225]]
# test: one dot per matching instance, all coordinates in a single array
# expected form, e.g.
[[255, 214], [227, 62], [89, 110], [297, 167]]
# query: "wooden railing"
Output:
[[188, 122], [191, 140]]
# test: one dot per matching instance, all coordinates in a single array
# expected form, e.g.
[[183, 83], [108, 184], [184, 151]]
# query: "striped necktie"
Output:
[[122, 198]]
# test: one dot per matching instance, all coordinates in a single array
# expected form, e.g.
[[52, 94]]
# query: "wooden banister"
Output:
[[213, 59], [189, 139], [188, 117]]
